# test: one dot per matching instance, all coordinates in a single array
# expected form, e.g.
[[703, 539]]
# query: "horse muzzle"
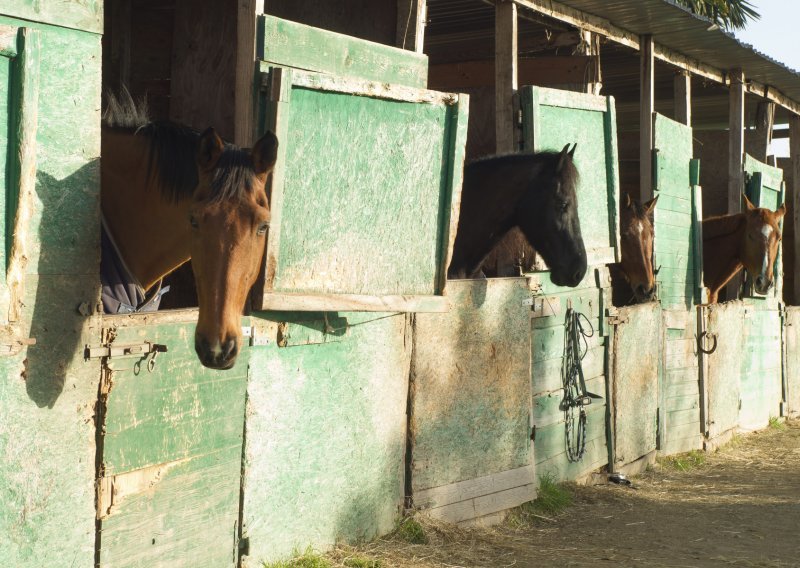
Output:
[[220, 355], [762, 285]]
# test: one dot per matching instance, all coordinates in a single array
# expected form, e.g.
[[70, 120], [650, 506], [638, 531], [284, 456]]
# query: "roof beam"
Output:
[[582, 20]]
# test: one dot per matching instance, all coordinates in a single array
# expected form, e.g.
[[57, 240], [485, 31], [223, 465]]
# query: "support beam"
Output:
[[682, 86], [589, 46], [736, 141], [505, 73], [794, 196], [758, 141], [411, 16], [646, 108], [244, 119]]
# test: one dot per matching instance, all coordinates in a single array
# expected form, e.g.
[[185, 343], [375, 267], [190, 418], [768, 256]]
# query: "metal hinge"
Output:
[[533, 433], [613, 317], [111, 351]]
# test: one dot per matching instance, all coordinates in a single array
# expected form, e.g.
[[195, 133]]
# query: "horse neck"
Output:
[[489, 202], [151, 233], [722, 245]]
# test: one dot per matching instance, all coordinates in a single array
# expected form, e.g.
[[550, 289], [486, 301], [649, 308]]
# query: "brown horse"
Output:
[[170, 194], [743, 240], [636, 244], [535, 192]]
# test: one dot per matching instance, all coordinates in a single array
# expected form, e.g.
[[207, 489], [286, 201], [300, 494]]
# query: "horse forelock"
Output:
[[234, 176]]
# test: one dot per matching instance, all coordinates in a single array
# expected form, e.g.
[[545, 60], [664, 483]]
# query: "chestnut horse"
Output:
[[636, 244], [743, 240], [170, 194], [535, 192]]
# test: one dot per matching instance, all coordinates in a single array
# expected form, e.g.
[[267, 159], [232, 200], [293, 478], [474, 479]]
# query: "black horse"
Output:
[[535, 192]]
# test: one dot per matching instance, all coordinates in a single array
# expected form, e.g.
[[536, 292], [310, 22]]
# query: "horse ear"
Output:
[[562, 157], [265, 153], [781, 210], [748, 203], [572, 152], [209, 149], [628, 202], [650, 206]]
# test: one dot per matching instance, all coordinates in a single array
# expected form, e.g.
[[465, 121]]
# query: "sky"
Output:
[[776, 35]]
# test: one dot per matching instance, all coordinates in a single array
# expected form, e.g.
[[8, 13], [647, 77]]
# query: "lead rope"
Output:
[[576, 397]]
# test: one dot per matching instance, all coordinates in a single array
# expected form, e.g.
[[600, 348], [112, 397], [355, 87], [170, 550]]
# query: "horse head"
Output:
[[549, 219], [636, 236], [762, 236], [229, 218]]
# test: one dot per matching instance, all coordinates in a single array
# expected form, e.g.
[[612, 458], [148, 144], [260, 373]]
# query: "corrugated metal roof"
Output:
[[676, 28]]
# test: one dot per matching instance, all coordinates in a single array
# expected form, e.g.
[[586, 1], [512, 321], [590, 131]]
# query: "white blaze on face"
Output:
[[766, 230], [640, 227]]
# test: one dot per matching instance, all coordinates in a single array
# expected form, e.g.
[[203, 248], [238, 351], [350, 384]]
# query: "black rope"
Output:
[[576, 397]]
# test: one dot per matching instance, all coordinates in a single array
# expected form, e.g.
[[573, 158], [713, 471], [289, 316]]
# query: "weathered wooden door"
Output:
[[792, 367], [636, 360], [471, 402], [677, 256], [170, 441], [722, 345]]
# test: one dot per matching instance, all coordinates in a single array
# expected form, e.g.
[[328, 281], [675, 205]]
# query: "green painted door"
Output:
[[677, 257], [171, 444], [722, 367], [471, 403], [636, 357], [551, 119]]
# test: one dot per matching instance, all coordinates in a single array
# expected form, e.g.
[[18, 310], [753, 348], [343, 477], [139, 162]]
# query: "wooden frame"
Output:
[[532, 98], [278, 83], [505, 69], [794, 196], [646, 109], [22, 45]]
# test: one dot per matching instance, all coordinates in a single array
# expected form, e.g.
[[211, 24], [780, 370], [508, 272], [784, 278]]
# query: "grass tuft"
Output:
[[684, 462], [362, 562], [776, 423], [307, 559], [411, 531], [552, 498]]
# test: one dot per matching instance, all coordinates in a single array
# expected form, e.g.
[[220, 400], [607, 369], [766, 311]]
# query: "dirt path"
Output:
[[739, 508]]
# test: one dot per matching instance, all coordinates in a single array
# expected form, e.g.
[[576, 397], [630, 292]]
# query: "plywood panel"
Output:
[[634, 382], [326, 435], [680, 426], [761, 370], [471, 384], [725, 327], [78, 14], [792, 351]]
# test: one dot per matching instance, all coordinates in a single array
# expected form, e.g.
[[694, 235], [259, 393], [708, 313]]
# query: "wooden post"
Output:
[[682, 86], [505, 73], [736, 141], [794, 195], [646, 108], [244, 119], [758, 142], [411, 16]]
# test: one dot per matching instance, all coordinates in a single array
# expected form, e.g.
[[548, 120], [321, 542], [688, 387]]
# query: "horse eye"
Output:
[[262, 229], [564, 205], [193, 222]]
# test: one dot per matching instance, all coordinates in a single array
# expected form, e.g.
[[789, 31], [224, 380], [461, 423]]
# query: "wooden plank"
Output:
[[244, 127], [411, 20], [701, 293], [546, 374], [290, 44], [505, 65], [484, 505], [794, 198], [472, 488], [367, 88], [21, 201], [736, 141], [646, 110], [308, 302], [547, 409], [682, 97], [74, 14], [572, 100], [612, 171], [759, 139]]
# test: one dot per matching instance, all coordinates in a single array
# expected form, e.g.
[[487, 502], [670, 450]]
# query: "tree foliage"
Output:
[[728, 14]]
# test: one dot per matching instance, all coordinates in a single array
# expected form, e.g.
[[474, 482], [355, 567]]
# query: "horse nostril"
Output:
[[760, 282], [578, 276], [229, 349]]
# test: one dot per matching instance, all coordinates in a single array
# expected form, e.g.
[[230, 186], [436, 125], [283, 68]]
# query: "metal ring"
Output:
[[700, 342]]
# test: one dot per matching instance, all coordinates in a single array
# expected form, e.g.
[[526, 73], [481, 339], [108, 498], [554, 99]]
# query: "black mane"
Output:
[[548, 158]]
